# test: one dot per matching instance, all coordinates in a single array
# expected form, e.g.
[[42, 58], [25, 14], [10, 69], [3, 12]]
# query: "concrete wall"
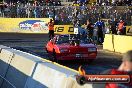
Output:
[[122, 43], [108, 42], [23, 70], [117, 43], [4, 63]]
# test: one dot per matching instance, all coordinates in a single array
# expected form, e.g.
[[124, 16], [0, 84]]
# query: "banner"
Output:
[[64, 29], [32, 25], [24, 25]]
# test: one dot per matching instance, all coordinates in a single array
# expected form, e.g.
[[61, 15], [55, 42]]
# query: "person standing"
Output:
[[90, 28], [51, 29], [100, 25], [114, 26], [124, 69], [120, 27]]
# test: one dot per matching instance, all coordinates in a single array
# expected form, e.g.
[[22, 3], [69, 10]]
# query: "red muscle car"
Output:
[[62, 47]]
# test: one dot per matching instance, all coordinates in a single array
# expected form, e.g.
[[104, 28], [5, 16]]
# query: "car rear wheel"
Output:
[[46, 50], [54, 56]]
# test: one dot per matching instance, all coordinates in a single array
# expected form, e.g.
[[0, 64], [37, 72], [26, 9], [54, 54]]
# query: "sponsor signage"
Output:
[[33, 25], [24, 25], [64, 29]]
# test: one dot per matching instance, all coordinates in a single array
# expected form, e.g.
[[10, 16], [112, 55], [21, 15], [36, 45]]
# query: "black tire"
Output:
[[54, 56]]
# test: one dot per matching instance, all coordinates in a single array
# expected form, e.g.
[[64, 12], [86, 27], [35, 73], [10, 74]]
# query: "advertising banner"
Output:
[[64, 29], [24, 25], [32, 25]]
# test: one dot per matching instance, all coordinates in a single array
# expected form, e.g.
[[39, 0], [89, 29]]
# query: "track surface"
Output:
[[34, 43]]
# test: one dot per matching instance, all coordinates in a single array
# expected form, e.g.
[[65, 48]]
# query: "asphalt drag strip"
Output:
[[35, 43]]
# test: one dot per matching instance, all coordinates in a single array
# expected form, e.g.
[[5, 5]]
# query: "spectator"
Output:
[[128, 2], [114, 2], [120, 27], [2, 9], [120, 3], [100, 27], [99, 2], [124, 69], [80, 16], [78, 24], [59, 3], [51, 29], [90, 28], [62, 16], [57, 19], [114, 26], [50, 14]]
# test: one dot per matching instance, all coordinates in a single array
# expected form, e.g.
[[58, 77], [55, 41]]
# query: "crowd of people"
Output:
[[35, 9], [63, 14], [103, 2], [96, 31]]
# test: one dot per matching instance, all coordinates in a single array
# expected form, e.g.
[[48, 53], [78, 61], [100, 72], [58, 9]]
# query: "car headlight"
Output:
[[63, 50], [91, 49]]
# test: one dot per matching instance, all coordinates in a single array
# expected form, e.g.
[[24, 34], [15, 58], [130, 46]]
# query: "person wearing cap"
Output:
[[124, 69], [51, 29]]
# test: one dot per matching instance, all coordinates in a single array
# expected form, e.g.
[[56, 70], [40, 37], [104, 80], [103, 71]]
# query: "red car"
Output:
[[61, 47]]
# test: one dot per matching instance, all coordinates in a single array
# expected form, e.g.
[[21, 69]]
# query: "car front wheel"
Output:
[[46, 50], [54, 56]]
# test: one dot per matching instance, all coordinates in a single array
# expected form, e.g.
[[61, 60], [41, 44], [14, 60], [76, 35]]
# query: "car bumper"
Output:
[[76, 56]]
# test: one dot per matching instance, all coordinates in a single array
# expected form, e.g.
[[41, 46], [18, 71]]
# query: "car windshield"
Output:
[[66, 39], [62, 39]]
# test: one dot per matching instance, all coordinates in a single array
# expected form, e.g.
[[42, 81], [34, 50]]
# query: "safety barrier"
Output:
[[117, 43], [128, 30], [24, 70], [108, 42], [4, 66]]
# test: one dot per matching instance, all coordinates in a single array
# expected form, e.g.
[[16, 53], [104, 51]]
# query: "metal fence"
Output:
[[68, 14]]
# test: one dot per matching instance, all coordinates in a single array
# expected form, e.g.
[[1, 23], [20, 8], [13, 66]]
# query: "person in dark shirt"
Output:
[[90, 28], [100, 26], [114, 26]]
